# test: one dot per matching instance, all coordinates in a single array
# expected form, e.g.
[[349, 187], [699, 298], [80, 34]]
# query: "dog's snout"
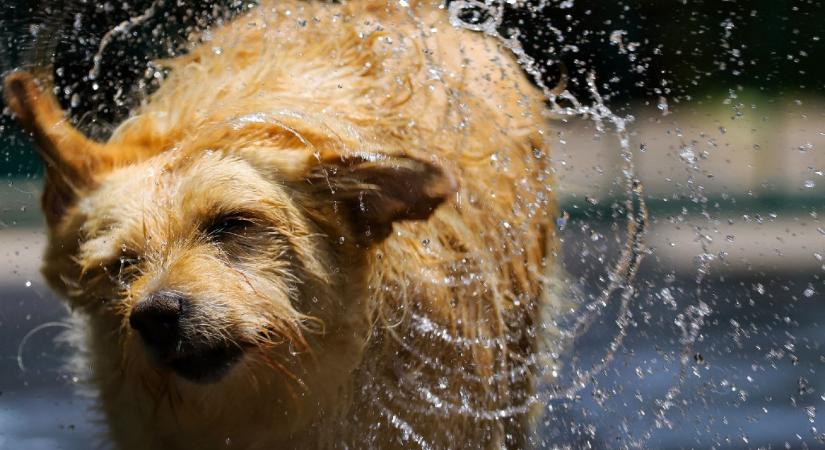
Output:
[[158, 320]]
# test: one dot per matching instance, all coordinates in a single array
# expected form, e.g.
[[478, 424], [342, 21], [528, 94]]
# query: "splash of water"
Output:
[[621, 276], [121, 29], [22, 346]]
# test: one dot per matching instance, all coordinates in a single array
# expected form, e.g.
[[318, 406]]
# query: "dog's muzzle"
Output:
[[161, 319]]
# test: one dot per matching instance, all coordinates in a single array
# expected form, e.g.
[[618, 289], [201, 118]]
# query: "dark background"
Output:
[[685, 51]]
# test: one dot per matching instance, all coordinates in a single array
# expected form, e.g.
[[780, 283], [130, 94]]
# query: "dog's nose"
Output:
[[157, 319]]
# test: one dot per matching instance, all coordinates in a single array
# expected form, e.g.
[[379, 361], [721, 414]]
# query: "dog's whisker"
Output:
[[293, 380]]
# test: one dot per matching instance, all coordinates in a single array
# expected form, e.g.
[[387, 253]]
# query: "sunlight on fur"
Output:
[[331, 227]]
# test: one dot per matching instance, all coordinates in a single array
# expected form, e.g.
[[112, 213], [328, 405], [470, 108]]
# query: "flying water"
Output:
[[488, 17], [563, 103]]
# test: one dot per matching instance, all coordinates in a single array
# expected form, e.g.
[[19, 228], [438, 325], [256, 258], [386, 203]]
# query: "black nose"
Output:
[[158, 318]]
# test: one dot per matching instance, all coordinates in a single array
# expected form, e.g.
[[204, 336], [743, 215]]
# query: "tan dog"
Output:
[[328, 228]]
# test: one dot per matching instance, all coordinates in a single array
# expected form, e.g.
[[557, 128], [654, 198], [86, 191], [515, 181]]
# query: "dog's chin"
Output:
[[205, 366]]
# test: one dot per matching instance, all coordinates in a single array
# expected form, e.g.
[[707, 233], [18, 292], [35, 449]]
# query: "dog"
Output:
[[330, 227]]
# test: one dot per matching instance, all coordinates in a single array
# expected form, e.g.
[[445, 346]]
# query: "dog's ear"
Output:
[[374, 190], [70, 158]]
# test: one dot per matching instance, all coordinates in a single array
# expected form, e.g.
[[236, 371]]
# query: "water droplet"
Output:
[[687, 154], [758, 287]]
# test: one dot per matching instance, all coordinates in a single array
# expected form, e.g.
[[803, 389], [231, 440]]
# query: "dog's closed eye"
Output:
[[226, 226]]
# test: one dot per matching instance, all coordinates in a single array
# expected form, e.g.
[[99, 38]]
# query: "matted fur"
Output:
[[425, 334]]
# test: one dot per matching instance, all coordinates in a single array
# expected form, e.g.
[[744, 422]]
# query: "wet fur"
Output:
[[421, 333]]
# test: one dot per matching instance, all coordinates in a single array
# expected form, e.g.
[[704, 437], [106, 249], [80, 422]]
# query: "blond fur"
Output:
[[428, 338]]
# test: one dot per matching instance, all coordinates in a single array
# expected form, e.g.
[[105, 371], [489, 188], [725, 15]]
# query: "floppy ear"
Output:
[[372, 191], [70, 158]]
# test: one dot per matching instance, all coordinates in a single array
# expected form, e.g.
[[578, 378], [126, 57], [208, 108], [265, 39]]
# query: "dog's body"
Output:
[[277, 186]]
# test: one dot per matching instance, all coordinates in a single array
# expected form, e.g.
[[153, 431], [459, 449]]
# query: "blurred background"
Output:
[[726, 102]]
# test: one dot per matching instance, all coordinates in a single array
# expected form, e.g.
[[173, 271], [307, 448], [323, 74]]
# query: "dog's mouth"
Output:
[[196, 362], [208, 365]]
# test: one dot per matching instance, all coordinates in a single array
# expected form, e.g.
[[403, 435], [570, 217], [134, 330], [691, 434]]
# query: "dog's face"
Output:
[[214, 258], [202, 259]]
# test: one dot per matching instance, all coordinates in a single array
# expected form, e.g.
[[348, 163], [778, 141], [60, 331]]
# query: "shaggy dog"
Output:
[[329, 228]]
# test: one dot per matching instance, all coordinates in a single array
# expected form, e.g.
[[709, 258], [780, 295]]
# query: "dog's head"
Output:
[[217, 257]]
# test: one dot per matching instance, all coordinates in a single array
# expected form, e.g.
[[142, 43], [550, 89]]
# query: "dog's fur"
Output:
[[389, 176]]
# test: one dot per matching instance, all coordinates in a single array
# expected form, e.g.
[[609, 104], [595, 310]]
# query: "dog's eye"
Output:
[[228, 226], [122, 270]]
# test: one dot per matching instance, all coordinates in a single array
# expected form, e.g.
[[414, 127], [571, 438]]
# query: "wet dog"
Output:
[[329, 227]]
